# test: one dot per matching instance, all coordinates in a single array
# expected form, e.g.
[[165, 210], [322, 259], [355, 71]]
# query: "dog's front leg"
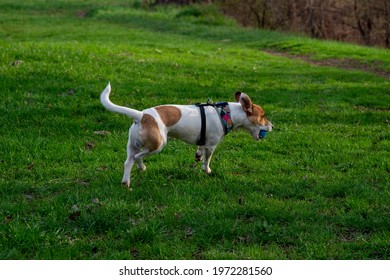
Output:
[[208, 153], [199, 153]]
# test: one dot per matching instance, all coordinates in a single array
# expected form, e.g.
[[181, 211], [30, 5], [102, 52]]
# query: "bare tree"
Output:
[[363, 18], [259, 9], [386, 4]]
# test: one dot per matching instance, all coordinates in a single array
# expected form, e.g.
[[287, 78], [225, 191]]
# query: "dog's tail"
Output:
[[105, 100]]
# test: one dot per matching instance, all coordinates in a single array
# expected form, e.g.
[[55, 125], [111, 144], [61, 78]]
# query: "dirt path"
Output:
[[344, 63]]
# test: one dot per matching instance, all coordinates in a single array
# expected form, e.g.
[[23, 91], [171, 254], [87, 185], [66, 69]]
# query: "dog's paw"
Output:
[[198, 156], [207, 170], [141, 167], [126, 184]]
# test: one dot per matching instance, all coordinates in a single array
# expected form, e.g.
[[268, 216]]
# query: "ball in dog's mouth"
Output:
[[262, 134]]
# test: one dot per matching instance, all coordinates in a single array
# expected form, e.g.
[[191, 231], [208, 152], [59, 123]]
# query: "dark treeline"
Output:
[[358, 21]]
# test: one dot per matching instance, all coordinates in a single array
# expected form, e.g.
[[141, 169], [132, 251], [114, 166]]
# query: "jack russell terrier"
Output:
[[202, 124]]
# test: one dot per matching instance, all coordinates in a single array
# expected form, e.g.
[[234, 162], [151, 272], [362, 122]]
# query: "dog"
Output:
[[204, 125]]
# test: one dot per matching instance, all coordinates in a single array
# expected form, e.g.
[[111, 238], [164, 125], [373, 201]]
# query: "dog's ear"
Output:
[[237, 96], [245, 101]]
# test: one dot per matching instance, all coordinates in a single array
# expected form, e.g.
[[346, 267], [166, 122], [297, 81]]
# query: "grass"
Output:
[[316, 188]]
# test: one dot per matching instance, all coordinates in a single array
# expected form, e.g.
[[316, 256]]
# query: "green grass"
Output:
[[316, 188]]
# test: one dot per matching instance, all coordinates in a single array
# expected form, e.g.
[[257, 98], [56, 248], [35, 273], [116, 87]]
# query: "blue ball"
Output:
[[262, 134]]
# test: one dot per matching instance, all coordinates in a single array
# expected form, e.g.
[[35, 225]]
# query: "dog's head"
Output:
[[256, 123]]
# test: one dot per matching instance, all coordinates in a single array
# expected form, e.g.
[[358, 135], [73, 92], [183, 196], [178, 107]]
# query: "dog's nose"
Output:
[[271, 126]]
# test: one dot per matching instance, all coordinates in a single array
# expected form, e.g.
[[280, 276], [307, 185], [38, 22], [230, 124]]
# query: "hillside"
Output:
[[316, 188]]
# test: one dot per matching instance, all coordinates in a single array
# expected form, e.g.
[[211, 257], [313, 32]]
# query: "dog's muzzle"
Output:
[[263, 132]]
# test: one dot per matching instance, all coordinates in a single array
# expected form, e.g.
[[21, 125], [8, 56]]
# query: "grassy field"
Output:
[[318, 187]]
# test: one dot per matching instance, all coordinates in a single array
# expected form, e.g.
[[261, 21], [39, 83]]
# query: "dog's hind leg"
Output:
[[140, 164], [132, 150], [135, 155], [144, 153]]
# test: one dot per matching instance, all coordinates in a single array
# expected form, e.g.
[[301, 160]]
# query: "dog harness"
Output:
[[223, 111]]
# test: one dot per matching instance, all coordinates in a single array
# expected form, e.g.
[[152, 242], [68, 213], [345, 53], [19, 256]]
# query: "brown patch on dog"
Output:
[[150, 135], [254, 112], [169, 114], [258, 116]]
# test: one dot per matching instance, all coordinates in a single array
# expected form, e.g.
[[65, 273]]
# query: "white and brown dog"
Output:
[[151, 128]]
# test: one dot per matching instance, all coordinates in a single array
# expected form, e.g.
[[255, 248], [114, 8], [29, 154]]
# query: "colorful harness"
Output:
[[224, 114], [223, 111]]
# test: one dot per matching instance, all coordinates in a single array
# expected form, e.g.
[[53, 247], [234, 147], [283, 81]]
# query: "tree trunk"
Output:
[[364, 22]]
